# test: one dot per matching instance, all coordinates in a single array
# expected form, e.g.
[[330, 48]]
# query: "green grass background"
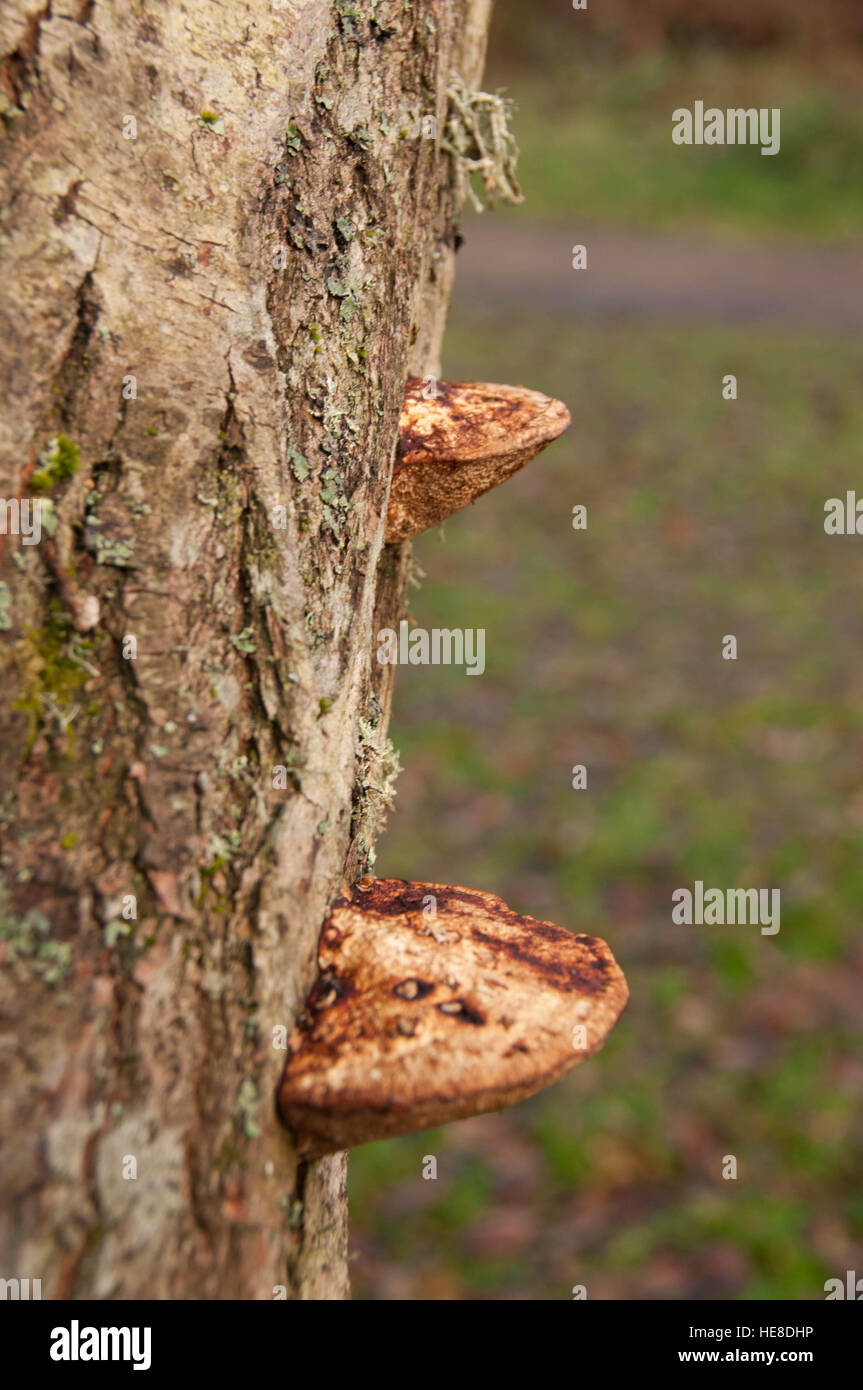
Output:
[[604, 648], [594, 129]]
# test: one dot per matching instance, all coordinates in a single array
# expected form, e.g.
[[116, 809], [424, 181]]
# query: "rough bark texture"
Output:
[[269, 258]]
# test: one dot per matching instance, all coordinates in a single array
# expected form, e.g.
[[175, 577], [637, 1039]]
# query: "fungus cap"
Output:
[[416, 1020], [459, 443]]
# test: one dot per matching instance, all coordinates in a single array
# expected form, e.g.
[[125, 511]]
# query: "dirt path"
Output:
[[665, 276]]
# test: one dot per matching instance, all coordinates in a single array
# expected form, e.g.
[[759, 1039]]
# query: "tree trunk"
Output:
[[226, 244]]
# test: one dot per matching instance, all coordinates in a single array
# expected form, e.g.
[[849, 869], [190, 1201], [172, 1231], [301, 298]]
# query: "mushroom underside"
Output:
[[459, 443], [435, 1003]]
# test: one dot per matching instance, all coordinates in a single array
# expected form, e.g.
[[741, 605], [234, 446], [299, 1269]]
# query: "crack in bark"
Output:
[[74, 365]]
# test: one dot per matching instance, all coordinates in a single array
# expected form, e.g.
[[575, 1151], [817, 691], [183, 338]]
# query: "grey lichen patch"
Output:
[[113, 552], [334, 502], [378, 767], [248, 1101], [223, 848], [108, 549], [479, 141], [326, 460], [27, 940], [349, 15], [362, 138], [116, 930], [244, 641], [347, 285]]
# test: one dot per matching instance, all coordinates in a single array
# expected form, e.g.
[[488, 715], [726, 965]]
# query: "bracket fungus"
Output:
[[460, 442], [434, 1004]]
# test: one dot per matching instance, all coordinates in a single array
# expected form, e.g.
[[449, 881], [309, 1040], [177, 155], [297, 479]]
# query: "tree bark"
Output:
[[225, 244]]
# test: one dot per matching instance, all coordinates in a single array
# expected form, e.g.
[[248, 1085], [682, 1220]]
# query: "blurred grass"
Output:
[[705, 517], [595, 137], [603, 647]]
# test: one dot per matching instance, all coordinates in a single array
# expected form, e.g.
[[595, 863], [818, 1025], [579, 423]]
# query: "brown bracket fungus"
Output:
[[457, 444], [433, 1004]]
